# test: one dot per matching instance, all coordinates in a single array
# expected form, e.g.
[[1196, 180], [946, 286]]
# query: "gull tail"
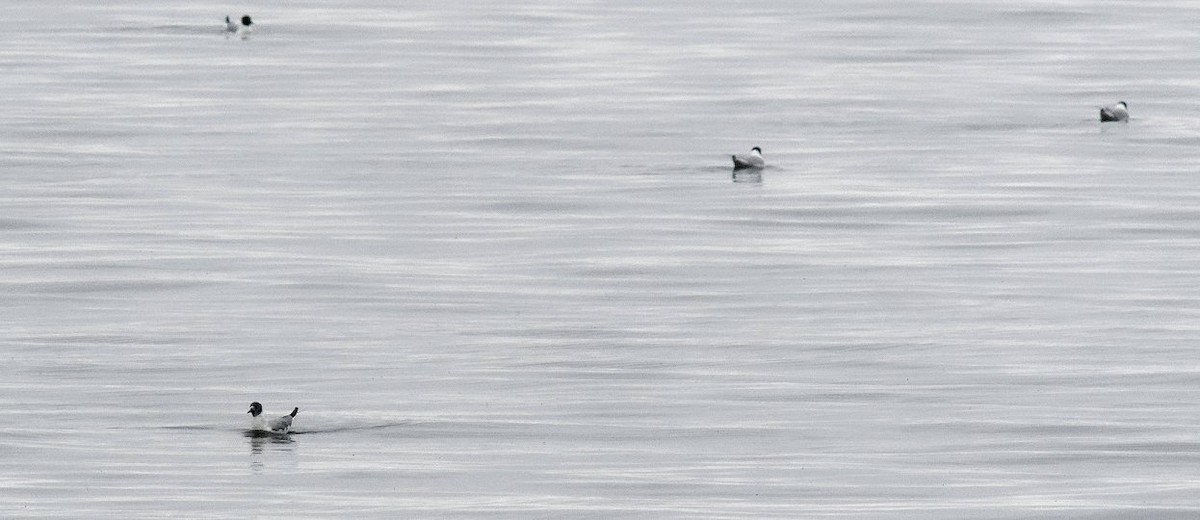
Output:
[[294, 412]]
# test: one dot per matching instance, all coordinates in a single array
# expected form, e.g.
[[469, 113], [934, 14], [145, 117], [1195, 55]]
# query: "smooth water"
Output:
[[498, 258]]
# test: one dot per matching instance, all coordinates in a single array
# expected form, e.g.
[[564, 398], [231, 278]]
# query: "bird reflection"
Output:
[[261, 442], [752, 175], [261, 439]]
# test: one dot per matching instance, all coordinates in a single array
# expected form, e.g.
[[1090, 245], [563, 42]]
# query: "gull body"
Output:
[[1117, 112], [262, 424], [754, 159], [242, 28]]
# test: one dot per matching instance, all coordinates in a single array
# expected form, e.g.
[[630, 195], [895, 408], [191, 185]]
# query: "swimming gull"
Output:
[[234, 27], [754, 159], [260, 423], [1117, 112]]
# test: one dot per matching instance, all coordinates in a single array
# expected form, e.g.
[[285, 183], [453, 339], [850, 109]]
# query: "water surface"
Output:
[[497, 257]]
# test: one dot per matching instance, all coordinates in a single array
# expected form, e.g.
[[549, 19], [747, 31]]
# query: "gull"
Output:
[[234, 27], [1117, 112], [753, 159], [260, 423]]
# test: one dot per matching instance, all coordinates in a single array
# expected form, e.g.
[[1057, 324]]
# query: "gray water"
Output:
[[497, 257]]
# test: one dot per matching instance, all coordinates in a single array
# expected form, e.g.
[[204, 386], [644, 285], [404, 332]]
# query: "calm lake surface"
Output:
[[497, 257]]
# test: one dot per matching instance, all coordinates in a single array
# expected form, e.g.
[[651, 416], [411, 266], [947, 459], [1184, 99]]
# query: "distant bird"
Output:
[[234, 27], [1117, 112], [754, 159], [260, 423]]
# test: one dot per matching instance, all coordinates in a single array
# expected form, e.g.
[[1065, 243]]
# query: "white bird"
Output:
[[754, 159], [260, 423], [236, 28], [1117, 112]]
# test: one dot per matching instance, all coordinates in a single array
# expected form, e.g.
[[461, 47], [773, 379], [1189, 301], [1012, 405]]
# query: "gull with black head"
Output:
[[259, 423], [243, 28]]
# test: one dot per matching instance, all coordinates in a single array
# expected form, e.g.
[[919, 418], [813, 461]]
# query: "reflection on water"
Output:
[[749, 176], [262, 442], [261, 439]]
